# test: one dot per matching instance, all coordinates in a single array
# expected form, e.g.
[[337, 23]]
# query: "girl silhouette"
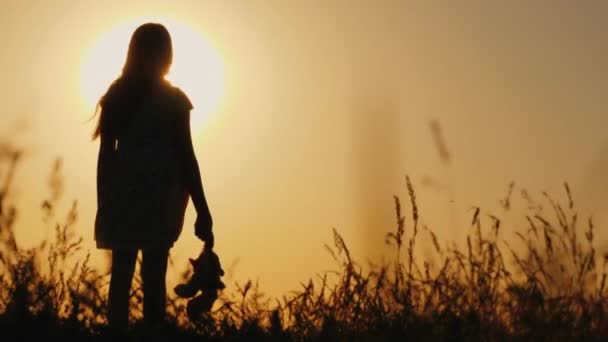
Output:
[[146, 171]]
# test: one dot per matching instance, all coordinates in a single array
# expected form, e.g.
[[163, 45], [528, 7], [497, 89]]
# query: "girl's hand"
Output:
[[210, 241], [203, 228]]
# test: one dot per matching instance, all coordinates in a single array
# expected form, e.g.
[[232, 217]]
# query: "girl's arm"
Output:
[[105, 163], [193, 177]]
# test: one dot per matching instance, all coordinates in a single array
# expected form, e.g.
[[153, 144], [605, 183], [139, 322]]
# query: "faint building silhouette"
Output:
[[378, 168], [591, 193]]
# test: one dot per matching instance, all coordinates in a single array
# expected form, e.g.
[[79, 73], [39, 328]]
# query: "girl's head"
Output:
[[150, 53], [148, 60]]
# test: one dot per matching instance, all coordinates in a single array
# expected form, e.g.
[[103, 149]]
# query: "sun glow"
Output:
[[197, 68]]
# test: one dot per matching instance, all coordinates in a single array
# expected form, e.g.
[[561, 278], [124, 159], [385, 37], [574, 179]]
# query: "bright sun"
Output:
[[197, 68]]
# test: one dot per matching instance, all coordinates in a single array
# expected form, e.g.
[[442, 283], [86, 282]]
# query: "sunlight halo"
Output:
[[197, 67]]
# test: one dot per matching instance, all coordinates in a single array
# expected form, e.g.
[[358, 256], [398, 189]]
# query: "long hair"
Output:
[[148, 60]]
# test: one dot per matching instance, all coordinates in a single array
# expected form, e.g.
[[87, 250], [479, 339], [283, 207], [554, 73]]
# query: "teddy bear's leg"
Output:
[[201, 304], [209, 298], [186, 290]]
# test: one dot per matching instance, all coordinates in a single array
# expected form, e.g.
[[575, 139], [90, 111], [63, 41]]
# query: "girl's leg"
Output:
[[123, 267], [153, 274]]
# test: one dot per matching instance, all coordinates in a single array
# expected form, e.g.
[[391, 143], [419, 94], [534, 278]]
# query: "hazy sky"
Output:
[[326, 106]]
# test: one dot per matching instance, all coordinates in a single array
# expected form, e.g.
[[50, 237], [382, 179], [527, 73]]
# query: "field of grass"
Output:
[[551, 289]]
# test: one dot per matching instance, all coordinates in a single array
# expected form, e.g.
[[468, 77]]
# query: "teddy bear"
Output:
[[206, 275]]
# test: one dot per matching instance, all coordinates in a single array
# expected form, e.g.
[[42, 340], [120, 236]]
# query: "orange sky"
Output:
[[324, 106]]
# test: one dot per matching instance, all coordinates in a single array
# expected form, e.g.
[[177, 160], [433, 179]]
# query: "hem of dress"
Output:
[[107, 246]]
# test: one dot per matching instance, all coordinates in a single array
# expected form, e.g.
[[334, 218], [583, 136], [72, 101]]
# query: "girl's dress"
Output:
[[145, 193]]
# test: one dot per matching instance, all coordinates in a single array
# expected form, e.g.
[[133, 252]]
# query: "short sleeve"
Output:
[[182, 100]]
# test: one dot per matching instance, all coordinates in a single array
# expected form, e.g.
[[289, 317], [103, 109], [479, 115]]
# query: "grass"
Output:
[[545, 282]]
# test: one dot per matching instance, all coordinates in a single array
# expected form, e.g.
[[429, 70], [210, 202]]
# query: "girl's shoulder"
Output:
[[178, 98]]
